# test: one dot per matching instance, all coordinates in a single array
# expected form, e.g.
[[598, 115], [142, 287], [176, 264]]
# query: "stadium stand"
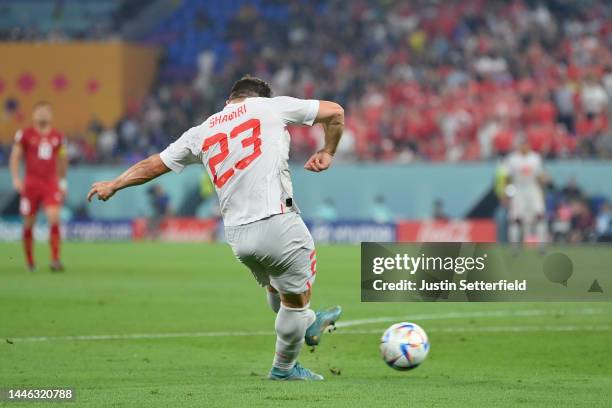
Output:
[[427, 82]]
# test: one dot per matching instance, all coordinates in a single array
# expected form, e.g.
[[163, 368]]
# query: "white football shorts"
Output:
[[278, 250], [527, 205]]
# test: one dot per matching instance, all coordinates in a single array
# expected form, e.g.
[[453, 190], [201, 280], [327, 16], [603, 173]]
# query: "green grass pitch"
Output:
[[207, 337]]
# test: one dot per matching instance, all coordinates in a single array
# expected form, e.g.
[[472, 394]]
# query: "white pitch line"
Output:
[[357, 322], [493, 329], [463, 315], [138, 336]]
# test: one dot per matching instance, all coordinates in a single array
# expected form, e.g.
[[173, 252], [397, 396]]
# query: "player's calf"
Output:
[[28, 241], [515, 231], [53, 217], [291, 324]]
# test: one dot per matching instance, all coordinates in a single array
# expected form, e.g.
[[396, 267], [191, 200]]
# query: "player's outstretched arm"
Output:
[[331, 116], [140, 173], [14, 161]]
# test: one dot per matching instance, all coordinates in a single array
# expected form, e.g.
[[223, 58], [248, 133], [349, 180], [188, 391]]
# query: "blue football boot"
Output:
[[297, 373], [326, 320]]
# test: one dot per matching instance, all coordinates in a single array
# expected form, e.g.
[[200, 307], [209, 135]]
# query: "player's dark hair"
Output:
[[250, 86]]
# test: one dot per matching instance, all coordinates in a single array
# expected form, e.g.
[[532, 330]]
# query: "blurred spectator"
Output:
[[581, 223], [573, 216], [107, 141], [603, 226], [571, 191], [438, 213], [160, 209], [326, 211], [381, 213], [205, 207], [593, 97]]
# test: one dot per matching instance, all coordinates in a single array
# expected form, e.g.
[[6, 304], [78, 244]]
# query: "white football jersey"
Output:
[[245, 149], [525, 170]]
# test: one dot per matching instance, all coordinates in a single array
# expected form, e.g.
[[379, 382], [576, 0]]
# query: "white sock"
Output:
[[291, 325], [541, 231], [273, 300], [514, 232]]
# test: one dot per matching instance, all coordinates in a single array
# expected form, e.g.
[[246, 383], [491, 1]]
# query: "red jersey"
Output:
[[40, 154]]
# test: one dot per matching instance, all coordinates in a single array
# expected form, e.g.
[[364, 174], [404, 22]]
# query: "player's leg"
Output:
[[28, 205], [28, 240], [292, 320], [273, 298], [53, 218], [283, 265], [326, 318], [293, 274], [541, 230], [52, 202], [540, 225], [516, 229]]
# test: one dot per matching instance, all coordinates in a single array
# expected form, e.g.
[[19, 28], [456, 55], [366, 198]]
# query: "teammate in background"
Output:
[[42, 149], [524, 189], [245, 149]]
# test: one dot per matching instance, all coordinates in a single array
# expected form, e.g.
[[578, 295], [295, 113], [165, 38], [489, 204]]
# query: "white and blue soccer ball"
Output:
[[404, 346]]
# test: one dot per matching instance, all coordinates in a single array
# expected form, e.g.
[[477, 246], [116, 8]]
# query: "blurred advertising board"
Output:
[[351, 232], [98, 231], [206, 230], [73, 231], [446, 231], [170, 229], [176, 229]]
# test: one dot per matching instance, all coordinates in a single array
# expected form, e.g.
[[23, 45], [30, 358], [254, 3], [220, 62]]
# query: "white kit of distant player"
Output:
[[525, 173]]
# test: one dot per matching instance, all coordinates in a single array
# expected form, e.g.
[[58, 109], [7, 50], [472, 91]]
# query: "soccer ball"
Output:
[[404, 346]]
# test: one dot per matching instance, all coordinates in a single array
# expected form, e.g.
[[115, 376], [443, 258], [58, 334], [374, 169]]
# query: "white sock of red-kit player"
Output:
[[291, 324]]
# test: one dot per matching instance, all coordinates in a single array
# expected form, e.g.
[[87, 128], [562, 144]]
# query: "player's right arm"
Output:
[[174, 157], [140, 173], [15, 161], [541, 176], [308, 112]]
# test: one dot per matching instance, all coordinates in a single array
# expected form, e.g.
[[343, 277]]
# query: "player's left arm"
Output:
[[542, 176], [543, 179], [14, 163], [140, 173]]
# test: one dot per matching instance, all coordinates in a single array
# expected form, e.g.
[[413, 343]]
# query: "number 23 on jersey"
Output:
[[253, 142]]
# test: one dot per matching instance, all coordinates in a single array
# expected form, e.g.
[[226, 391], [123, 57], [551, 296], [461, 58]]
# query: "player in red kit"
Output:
[[42, 149]]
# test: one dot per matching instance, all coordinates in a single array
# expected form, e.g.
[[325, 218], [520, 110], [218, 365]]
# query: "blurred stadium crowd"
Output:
[[574, 216], [421, 80]]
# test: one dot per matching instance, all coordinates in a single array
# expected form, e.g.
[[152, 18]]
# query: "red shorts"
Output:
[[36, 194]]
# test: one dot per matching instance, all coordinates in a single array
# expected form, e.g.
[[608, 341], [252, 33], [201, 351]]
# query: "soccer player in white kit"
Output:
[[245, 149], [526, 175]]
